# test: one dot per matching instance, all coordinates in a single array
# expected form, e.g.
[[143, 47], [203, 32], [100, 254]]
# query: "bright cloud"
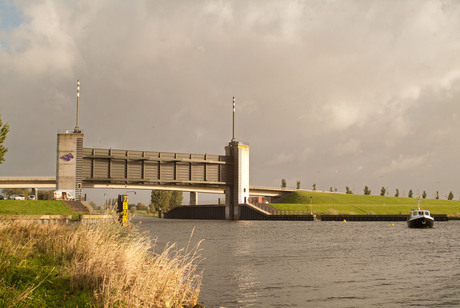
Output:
[[404, 162]]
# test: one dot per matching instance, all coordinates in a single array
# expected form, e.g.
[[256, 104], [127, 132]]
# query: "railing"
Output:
[[274, 211], [291, 213], [68, 131]]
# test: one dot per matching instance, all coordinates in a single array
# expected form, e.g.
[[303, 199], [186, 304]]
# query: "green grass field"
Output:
[[34, 207], [337, 203]]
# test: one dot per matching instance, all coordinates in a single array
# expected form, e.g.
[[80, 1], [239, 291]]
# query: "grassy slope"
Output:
[[32, 207], [359, 204]]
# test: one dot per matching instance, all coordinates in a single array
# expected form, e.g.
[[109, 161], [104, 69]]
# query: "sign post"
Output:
[[79, 187]]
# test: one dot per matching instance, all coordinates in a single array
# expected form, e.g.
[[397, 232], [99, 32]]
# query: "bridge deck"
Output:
[[196, 186]]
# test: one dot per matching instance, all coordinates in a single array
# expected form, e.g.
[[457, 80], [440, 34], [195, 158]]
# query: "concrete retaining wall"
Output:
[[215, 212], [90, 219], [250, 213], [41, 219], [375, 217], [57, 219]]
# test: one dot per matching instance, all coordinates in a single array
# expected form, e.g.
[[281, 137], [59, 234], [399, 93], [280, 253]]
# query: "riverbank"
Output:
[[324, 203], [97, 265], [35, 207]]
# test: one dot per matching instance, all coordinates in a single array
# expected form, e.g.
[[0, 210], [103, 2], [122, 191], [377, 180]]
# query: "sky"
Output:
[[332, 93]]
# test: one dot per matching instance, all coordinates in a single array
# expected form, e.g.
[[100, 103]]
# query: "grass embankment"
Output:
[[34, 207], [337, 203], [101, 265]]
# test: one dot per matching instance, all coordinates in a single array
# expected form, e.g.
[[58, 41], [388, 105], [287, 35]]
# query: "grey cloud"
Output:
[[359, 84]]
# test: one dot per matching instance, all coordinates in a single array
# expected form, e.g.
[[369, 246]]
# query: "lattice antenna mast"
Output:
[[77, 129]]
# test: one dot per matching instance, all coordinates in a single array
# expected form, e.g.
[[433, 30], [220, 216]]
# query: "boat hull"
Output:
[[420, 222]]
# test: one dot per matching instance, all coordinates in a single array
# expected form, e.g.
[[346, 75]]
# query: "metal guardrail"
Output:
[[68, 131], [273, 211]]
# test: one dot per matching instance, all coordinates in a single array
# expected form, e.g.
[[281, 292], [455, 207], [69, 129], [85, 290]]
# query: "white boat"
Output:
[[420, 219]]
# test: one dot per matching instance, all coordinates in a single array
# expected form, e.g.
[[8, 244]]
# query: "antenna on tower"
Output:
[[77, 129], [233, 136]]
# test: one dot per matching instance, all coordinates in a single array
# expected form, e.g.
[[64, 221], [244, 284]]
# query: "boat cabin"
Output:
[[414, 213]]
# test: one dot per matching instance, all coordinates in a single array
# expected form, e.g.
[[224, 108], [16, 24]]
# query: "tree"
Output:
[[450, 196], [298, 184], [141, 206], [330, 189], [4, 129], [314, 187], [160, 199], [283, 183], [16, 191], [367, 191], [348, 191], [176, 199], [132, 207], [411, 193], [437, 195], [397, 193], [45, 194], [383, 191], [424, 195]]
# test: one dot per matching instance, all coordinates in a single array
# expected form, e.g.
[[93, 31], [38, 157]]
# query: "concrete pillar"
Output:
[[69, 162], [238, 191], [35, 193], [193, 198]]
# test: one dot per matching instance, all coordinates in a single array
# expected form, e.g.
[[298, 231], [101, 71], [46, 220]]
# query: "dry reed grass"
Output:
[[116, 263]]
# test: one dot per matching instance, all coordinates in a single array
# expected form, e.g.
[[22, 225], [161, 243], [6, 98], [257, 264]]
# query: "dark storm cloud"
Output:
[[366, 88]]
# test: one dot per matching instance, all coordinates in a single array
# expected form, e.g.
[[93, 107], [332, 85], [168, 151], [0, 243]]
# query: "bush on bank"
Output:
[[100, 265]]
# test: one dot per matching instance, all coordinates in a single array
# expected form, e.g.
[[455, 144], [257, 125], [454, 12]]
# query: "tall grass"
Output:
[[100, 265]]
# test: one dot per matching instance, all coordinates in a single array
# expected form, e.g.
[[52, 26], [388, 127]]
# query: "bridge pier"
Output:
[[238, 191], [35, 193], [193, 198]]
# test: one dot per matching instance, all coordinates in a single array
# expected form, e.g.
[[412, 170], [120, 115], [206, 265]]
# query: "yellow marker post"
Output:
[[122, 209], [125, 210]]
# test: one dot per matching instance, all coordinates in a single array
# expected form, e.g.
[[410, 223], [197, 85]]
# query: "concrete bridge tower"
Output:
[[238, 191], [69, 162]]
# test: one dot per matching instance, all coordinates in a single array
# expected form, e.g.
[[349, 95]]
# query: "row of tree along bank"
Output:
[[367, 191]]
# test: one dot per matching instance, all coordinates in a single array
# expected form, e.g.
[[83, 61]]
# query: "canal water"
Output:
[[320, 264]]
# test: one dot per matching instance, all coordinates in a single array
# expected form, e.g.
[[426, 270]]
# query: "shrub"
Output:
[[141, 206]]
